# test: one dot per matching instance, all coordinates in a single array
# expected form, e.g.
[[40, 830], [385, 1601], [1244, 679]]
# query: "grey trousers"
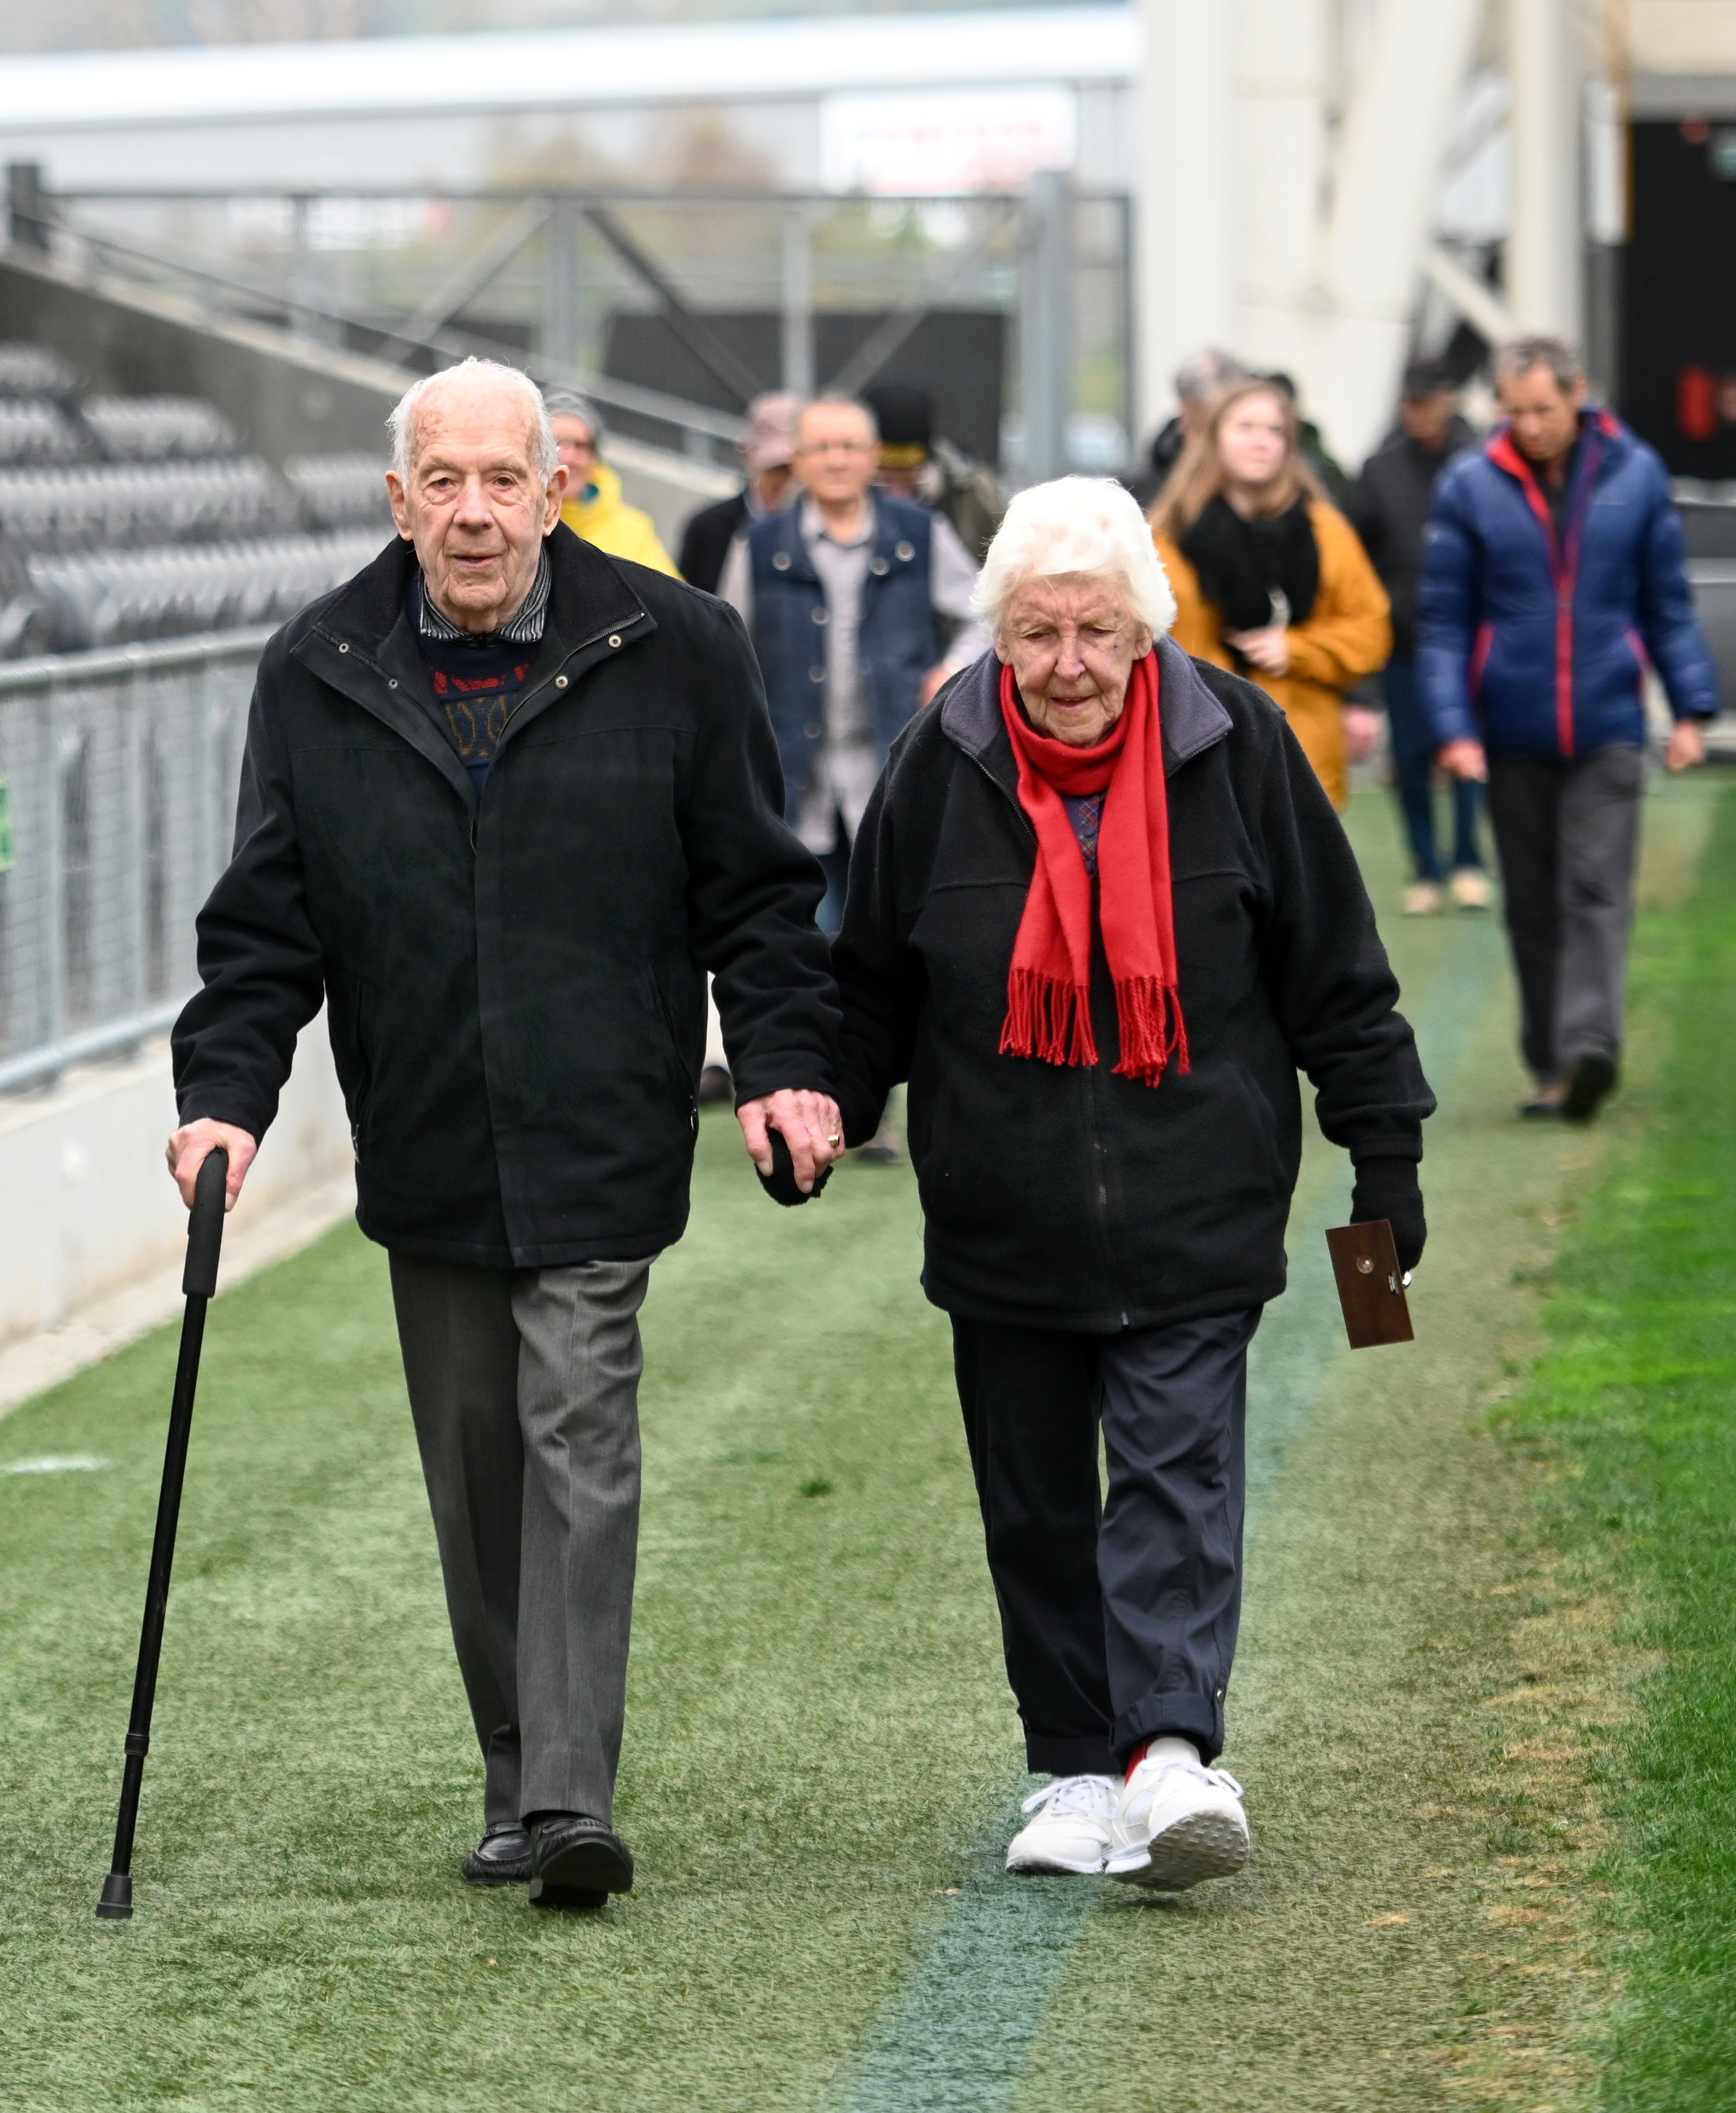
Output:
[[524, 1388], [1567, 835]]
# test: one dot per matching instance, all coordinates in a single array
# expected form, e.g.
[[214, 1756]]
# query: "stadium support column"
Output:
[[1281, 126], [561, 326], [1543, 273], [797, 288], [1389, 158], [1046, 325], [1186, 231]]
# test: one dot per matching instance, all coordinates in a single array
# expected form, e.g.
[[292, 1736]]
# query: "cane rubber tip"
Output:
[[116, 1903]]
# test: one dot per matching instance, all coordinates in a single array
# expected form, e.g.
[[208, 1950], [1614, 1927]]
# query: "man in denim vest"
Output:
[[859, 607]]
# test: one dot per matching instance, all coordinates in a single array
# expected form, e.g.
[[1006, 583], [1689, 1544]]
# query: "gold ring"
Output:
[[836, 1138]]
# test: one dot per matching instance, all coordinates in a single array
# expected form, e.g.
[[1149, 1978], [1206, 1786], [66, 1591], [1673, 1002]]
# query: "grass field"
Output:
[[1471, 1798], [1631, 1407]]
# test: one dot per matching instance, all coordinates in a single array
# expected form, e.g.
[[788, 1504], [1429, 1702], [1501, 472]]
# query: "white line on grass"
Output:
[[54, 1464]]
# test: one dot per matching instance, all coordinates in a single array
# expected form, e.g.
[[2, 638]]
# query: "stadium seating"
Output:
[[129, 518]]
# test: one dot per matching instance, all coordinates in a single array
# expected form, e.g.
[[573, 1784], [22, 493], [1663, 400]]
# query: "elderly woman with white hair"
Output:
[[1100, 914]]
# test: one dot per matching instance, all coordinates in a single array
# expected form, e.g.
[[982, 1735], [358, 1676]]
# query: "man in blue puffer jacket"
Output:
[[1553, 570]]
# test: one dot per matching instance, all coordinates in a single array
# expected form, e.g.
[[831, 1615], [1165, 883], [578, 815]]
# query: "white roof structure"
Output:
[[567, 69]]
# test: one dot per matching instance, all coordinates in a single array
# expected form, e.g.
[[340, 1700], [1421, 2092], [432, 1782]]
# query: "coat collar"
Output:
[[358, 641], [1193, 719]]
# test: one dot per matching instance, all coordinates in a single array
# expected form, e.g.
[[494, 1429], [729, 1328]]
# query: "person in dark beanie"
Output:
[[505, 799], [1100, 914], [1553, 571], [917, 464], [1389, 509]]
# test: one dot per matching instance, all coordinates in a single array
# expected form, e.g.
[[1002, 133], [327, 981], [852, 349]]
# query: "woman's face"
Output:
[[1251, 442], [1071, 642]]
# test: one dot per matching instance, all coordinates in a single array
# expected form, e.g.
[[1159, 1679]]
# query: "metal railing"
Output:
[[118, 776]]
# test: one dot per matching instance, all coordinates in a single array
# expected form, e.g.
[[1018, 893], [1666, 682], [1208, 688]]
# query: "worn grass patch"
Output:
[[1629, 1411]]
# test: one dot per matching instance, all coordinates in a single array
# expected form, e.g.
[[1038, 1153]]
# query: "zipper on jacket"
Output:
[[1089, 1085]]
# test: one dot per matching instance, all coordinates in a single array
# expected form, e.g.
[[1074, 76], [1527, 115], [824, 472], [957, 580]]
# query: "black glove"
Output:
[[780, 1183], [1389, 1188]]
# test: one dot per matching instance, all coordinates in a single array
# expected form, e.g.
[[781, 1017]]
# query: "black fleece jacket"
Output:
[[1064, 1196], [514, 979]]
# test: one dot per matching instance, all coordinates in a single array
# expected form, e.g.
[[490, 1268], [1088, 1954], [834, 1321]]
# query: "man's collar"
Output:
[[814, 527], [525, 628]]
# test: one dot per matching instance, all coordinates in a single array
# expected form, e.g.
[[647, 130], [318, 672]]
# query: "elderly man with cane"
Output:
[[504, 801]]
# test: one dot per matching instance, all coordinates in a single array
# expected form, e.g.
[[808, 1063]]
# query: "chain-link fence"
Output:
[[118, 775]]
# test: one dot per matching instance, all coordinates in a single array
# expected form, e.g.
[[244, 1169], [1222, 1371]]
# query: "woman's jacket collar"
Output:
[[1193, 719]]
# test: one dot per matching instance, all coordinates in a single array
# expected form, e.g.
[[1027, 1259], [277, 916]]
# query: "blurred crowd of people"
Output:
[[1497, 602]]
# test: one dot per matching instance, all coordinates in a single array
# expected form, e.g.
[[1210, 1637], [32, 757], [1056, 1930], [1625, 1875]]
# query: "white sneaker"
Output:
[[1177, 1821], [1070, 1832]]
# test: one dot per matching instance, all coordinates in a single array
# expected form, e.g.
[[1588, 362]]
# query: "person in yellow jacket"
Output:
[[594, 507], [1270, 581]]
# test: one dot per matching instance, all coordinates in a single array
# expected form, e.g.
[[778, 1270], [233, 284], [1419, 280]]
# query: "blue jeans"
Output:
[[1413, 766]]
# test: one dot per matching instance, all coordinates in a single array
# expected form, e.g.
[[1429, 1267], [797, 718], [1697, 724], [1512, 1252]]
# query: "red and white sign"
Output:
[[967, 139]]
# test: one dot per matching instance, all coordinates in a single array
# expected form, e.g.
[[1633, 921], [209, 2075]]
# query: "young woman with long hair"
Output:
[[1270, 580]]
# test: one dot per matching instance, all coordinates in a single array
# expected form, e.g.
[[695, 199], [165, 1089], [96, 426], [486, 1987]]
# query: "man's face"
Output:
[[474, 504], [578, 450], [1545, 416], [772, 486], [836, 453], [1426, 418]]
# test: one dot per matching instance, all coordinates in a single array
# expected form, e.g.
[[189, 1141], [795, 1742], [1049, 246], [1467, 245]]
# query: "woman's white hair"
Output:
[[1088, 525], [470, 374]]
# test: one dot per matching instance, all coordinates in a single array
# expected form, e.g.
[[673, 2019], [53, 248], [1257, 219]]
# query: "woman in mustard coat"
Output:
[[1270, 581]]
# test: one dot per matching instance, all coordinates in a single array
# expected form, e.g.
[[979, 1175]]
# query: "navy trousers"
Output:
[[1413, 750], [1118, 1614]]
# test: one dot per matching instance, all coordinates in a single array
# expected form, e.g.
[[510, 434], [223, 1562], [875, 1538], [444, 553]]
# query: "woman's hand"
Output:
[[1362, 731], [1268, 649]]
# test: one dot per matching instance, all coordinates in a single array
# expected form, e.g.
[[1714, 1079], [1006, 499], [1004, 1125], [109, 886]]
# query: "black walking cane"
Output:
[[198, 1281]]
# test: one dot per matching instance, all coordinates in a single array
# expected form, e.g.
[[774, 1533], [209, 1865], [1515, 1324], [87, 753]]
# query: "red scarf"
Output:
[[1048, 989]]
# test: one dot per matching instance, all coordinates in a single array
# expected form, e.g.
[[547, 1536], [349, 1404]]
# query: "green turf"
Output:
[[821, 1758], [1632, 1405]]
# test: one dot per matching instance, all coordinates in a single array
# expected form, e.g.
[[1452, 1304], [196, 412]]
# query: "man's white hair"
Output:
[[1088, 525], [472, 374]]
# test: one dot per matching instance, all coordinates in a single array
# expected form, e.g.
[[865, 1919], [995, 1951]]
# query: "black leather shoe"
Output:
[[1591, 1082], [501, 1858], [577, 1862]]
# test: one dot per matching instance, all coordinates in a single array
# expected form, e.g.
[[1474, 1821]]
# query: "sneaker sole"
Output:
[[1052, 1867], [1205, 1845]]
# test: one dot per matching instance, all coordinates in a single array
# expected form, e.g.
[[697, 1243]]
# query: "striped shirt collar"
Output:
[[523, 629]]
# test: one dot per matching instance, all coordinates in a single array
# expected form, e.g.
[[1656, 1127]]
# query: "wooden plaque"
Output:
[[1371, 1285]]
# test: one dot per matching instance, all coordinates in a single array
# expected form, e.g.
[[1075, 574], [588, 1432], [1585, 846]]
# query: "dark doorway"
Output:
[[955, 353], [1678, 351]]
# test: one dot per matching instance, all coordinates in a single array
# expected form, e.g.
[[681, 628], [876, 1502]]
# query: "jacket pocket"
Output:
[[680, 1077]]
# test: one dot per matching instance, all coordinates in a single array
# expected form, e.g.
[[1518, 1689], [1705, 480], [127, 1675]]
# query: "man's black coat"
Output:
[[515, 982], [1063, 1197], [1390, 509], [705, 540]]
